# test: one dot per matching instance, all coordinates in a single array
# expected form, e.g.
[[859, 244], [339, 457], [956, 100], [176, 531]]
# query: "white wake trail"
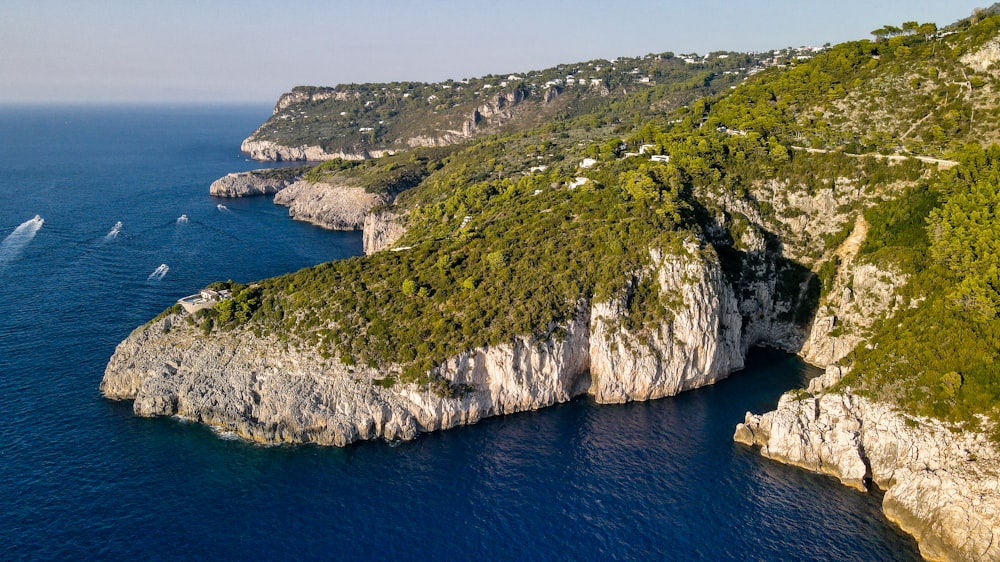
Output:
[[16, 241], [159, 273], [114, 231]]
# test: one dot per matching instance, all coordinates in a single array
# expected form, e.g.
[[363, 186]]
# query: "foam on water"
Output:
[[159, 273], [16, 241], [114, 231]]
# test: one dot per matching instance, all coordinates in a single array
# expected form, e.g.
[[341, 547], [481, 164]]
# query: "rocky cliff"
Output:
[[337, 207], [250, 184], [272, 391], [491, 116], [941, 484], [269, 151], [382, 229]]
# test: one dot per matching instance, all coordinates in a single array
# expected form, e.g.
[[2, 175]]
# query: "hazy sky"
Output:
[[253, 50]]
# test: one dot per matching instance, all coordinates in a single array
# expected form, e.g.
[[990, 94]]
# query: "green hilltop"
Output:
[[362, 118], [510, 230]]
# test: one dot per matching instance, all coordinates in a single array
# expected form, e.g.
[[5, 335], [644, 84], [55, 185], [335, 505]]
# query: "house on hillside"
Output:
[[206, 298]]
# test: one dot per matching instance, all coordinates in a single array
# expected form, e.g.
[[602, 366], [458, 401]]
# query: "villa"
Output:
[[206, 298]]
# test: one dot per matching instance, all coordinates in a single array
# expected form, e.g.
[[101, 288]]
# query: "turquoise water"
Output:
[[81, 477]]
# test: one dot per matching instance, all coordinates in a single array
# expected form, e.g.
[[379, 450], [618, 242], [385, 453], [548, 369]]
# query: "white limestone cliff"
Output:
[[486, 118], [332, 206], [270, 391], [266, 150], [382, 229], [941, 483], [248, 184]]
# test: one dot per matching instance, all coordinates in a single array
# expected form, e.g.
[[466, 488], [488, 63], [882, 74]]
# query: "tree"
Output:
[[409, 287], [641, 185]]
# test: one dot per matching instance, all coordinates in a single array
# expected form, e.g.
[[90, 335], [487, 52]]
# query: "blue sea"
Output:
[[82, 478]]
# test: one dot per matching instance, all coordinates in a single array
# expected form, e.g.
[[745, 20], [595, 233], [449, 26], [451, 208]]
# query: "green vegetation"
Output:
[[283, 174], [388, 175], [905, 93], [358, 118], [510, 236], [502, 258], [938, 357]]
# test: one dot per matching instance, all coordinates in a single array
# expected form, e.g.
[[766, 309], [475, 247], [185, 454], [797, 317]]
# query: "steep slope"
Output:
[[356, 121], [270, 390], [908, 323]]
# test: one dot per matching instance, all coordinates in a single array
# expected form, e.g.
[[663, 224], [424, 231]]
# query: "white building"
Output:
[[206, 298]]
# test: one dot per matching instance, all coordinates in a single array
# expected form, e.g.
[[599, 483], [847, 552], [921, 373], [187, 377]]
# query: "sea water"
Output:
[[126, 226]]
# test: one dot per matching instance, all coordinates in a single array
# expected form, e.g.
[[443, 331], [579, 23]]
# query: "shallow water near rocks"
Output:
[[81, 477]]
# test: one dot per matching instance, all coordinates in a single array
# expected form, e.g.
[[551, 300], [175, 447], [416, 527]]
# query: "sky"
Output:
[[250, 51]]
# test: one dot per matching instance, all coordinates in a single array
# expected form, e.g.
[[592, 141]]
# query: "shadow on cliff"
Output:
[[778, 297]]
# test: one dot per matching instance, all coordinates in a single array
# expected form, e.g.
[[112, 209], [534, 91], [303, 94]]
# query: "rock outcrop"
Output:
[[249, 184], [336, 207], [257, 388], [861, 294], [270, 151], [382, 229], [272, 391], [488, 117], [985, 58], [699, 345], [296, 97], [941, 484]]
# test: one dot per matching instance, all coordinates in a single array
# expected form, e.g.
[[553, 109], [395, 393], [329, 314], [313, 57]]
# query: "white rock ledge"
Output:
[[941, 485]]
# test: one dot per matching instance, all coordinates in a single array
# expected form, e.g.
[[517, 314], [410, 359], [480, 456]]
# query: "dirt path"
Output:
[[941, 163]]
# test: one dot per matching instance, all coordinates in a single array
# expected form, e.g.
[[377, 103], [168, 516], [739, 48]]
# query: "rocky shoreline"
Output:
[[273, 391], [330, 206], [941, 483], [249, 184]]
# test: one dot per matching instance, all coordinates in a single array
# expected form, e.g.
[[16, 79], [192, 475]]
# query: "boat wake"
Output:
[[159, 273], [16, 241], [114, 231]]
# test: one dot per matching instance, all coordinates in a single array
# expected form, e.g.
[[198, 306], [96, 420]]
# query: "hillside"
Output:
[[839, 205], [359, 120]]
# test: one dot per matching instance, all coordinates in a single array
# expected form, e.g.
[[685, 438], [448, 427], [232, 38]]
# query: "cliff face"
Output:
[[382, 229], [270, 391], [488, 117], [266, 150], [699, 345], [861, 294], [941, 485], [248, 184], [254, 387], [337, 207]]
